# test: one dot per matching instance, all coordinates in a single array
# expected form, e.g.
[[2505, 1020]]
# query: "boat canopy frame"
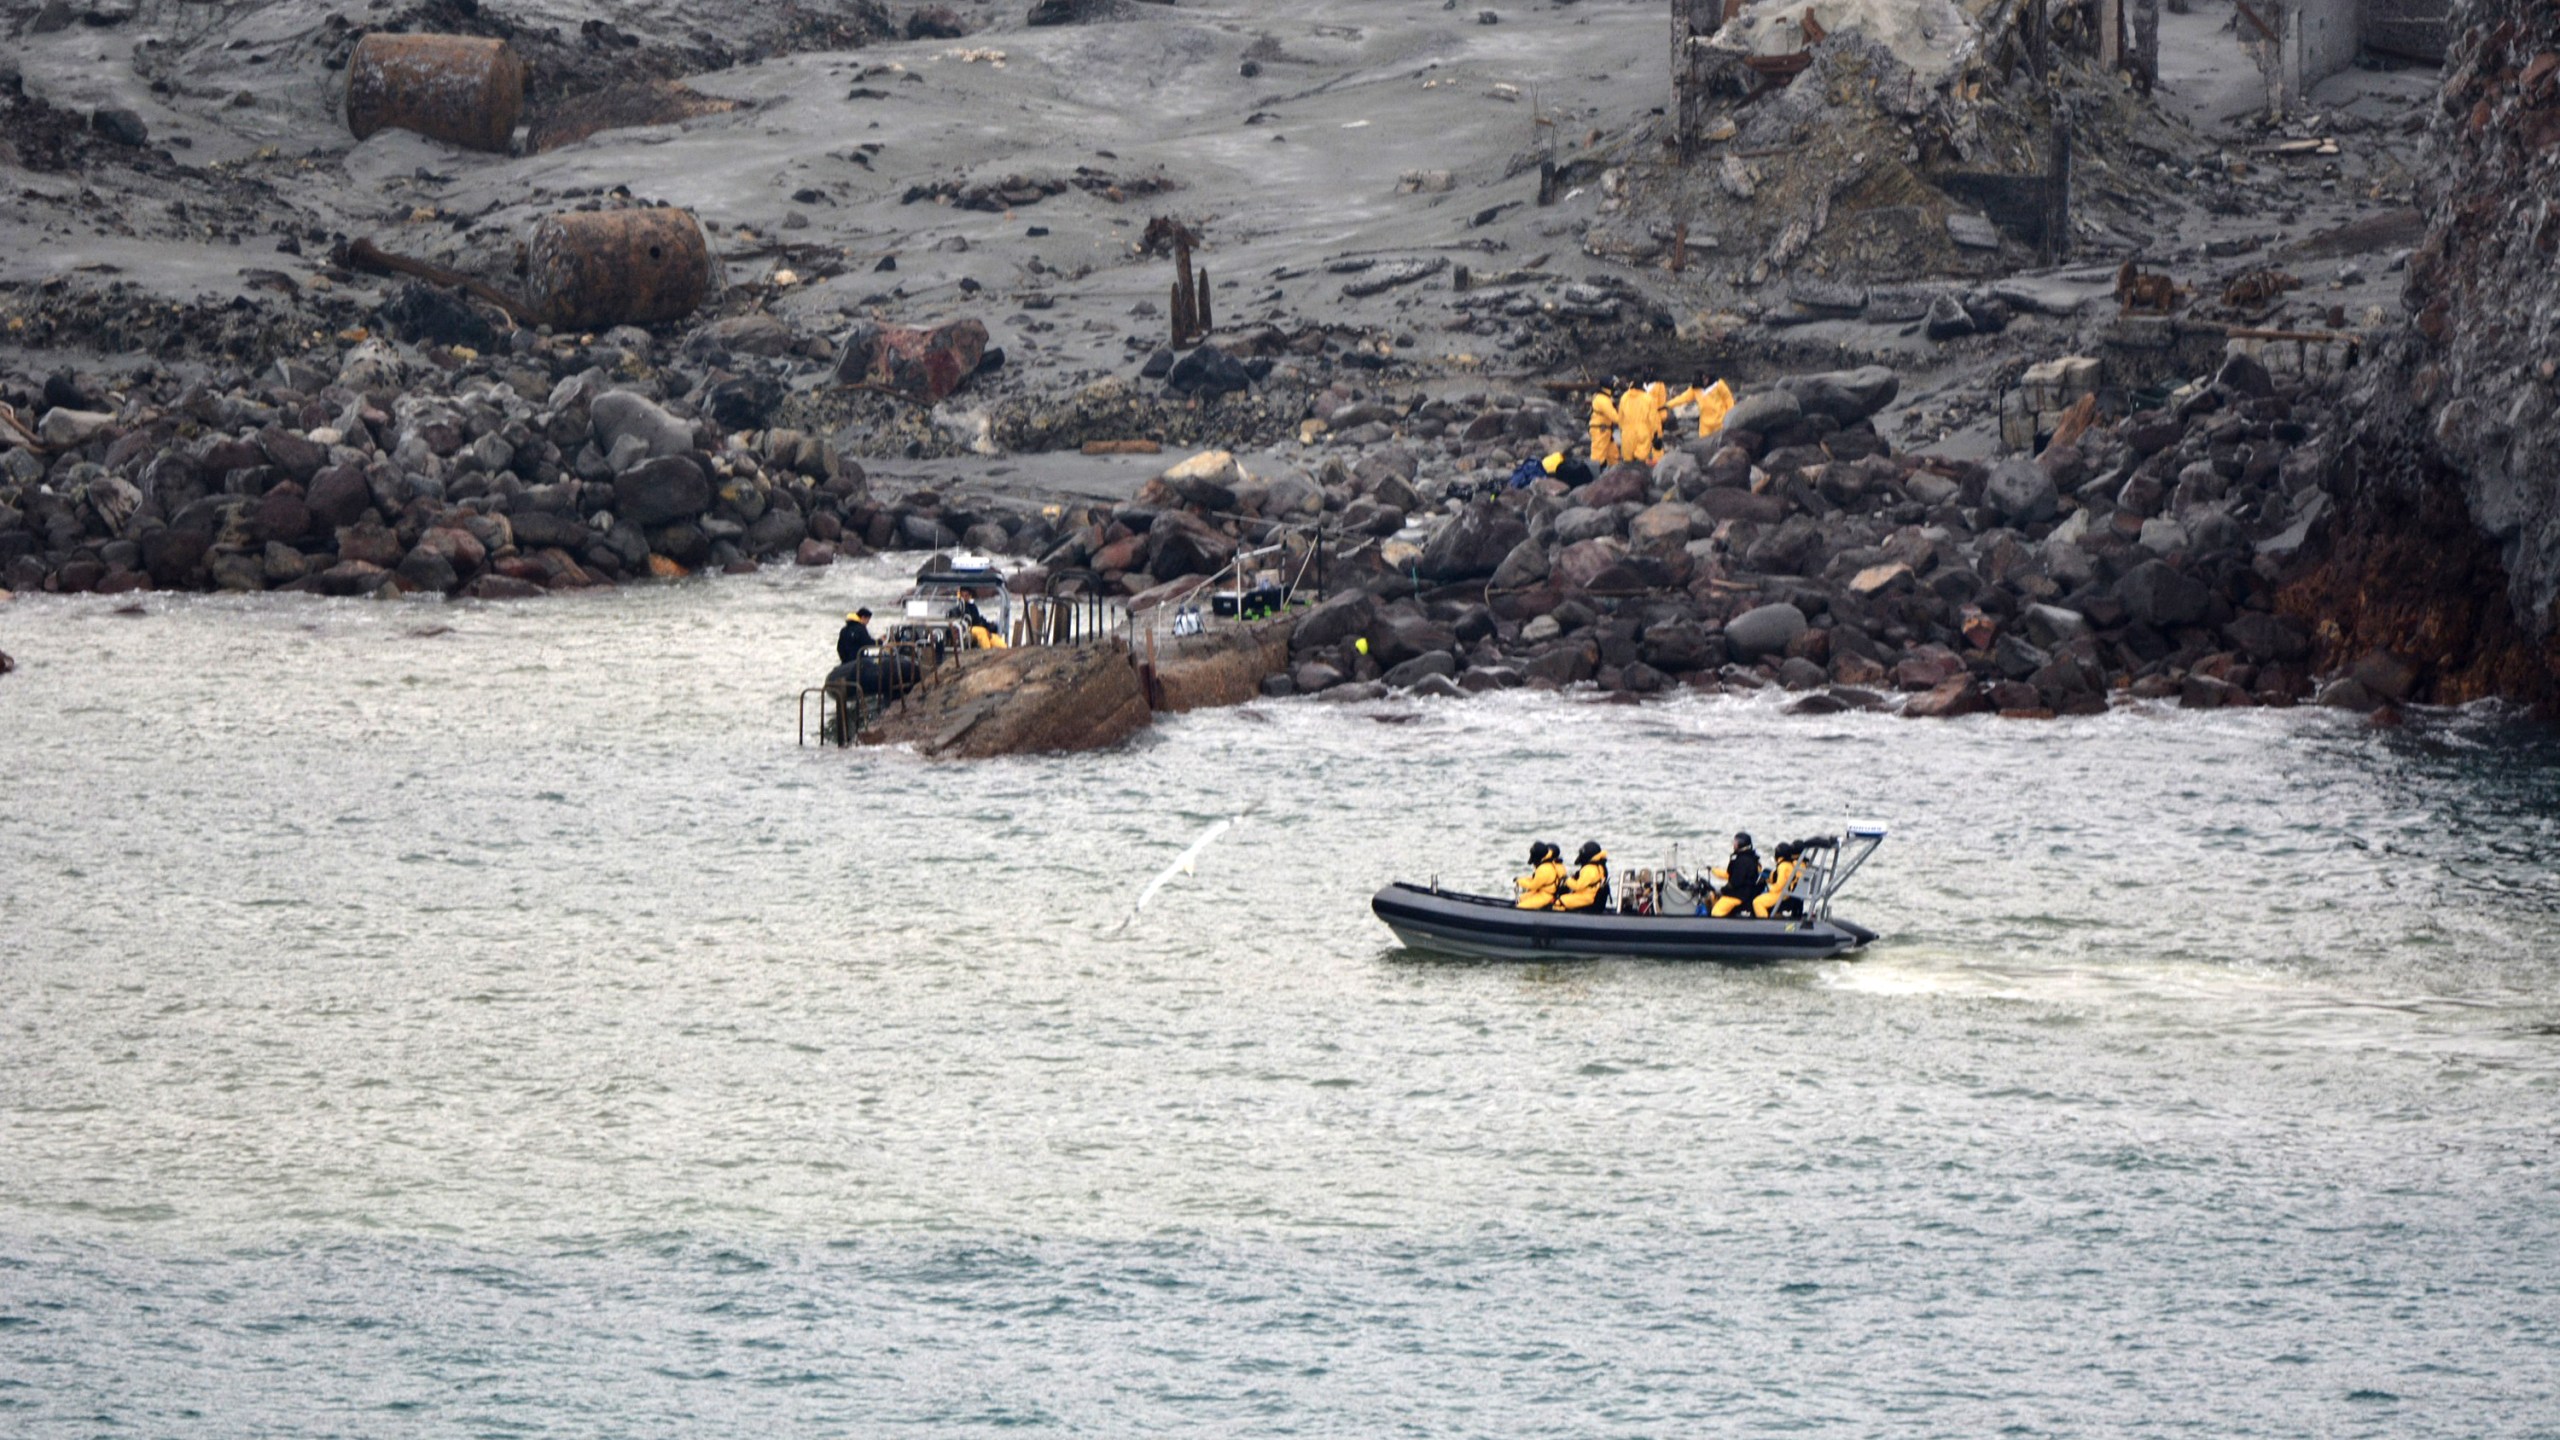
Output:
[[1829, 875]]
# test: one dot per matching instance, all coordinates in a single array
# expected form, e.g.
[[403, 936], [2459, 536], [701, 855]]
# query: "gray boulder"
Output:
[[617, 413], [1769, 410], [657, 491], [1333, 622], [1844, 395], [1765, 630], [2162, 597], [1472, 545], [2020, 492], [1525, 565], [1421, 667], [2051, 625]]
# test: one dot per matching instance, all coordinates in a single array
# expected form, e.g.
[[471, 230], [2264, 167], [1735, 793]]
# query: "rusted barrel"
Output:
[[456, 88], [592, 269]]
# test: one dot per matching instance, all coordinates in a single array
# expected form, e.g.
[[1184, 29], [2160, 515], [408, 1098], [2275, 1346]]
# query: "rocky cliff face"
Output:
[[2452, 556]]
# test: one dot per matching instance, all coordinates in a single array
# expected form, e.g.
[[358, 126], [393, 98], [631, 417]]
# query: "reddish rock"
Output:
[[370, 542], [338, 497], [299, 456], [460, 548], [1617, 485], [1120, 554], [280, 515], [815, 552], [926, 365], [1959, 696], [501, 587], [1927, 668], [353, 577], [1579, 564]]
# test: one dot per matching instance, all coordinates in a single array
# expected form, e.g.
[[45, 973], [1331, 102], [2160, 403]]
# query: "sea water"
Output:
[[454, 1019]]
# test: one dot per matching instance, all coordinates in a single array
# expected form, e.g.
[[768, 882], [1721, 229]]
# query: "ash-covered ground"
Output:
[[1427, 231]]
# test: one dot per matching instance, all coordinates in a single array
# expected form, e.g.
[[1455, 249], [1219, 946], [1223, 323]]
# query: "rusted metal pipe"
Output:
[[591, 269], [460, 89], [362, 254]]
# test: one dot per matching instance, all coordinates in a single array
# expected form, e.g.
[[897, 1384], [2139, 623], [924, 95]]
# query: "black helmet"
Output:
[[1590, 851], [1741, 841], [1543, 851], [1786, 851], [1537, 851]]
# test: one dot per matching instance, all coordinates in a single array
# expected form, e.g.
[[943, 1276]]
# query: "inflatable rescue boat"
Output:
[[1492, 927]]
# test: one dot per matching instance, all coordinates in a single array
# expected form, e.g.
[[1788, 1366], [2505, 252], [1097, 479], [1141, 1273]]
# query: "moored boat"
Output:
[[1426, 917]]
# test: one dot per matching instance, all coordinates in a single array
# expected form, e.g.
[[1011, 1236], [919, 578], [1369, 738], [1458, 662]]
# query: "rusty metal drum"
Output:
[[593, 269], [461, 89]]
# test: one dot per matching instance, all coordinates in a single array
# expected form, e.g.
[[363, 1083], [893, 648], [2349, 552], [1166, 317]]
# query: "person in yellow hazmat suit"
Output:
[[1604, 429], [1546, 871], [1589, 885], [982, 631], [1714, 403], [1781, 875], [1640, 424]]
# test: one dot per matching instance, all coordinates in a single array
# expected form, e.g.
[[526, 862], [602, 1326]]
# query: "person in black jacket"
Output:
[[854, 638], [1741, 876]]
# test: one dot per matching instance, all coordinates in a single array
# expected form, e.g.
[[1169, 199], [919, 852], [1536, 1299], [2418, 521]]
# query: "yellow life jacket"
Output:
[[1779, 879], [1583, 890]]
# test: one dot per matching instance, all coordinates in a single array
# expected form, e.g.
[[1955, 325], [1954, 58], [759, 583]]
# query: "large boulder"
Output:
[[1580, 565], [1623, 483], [1844, 395], [1525, 565], [617, 413], [2020, 492], [1766, 411], [1207, 480], [1336, 620], [338, 495], [1667, 524], [1181, 543], [1208, 371], [2163, 597], [922, 364], [670, 487], [426, 568], [1471, 545], [1764, 630], [1957, 695], [2264, 637], [1681, 646]]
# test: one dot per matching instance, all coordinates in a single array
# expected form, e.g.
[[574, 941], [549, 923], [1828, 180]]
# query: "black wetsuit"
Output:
[[851, 641]]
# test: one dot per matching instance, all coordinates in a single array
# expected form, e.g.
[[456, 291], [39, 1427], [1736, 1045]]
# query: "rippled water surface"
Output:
[[431, 1020]]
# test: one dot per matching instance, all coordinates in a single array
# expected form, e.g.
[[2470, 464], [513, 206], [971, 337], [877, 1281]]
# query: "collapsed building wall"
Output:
[[2299, 43]]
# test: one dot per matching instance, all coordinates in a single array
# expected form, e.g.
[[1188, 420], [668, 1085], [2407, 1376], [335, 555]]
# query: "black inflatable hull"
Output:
[[1485, 927]]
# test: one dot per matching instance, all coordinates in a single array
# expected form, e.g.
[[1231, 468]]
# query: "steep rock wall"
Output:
[[2448, 550]]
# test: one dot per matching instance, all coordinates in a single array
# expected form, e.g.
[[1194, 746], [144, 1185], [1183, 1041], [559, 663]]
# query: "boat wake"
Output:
[[1183, 864]]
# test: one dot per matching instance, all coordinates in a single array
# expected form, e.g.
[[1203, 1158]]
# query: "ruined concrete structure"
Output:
[[2299, 43]]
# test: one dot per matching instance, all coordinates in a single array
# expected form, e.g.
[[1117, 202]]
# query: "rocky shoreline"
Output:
[[2148, 557]]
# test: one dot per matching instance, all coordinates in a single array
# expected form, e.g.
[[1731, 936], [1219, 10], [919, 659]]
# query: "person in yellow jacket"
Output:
[[1781, 875], [982, 631], [1640, 413], [1714, 403], [1546, 872], [1590, 883], [1604, 429]]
